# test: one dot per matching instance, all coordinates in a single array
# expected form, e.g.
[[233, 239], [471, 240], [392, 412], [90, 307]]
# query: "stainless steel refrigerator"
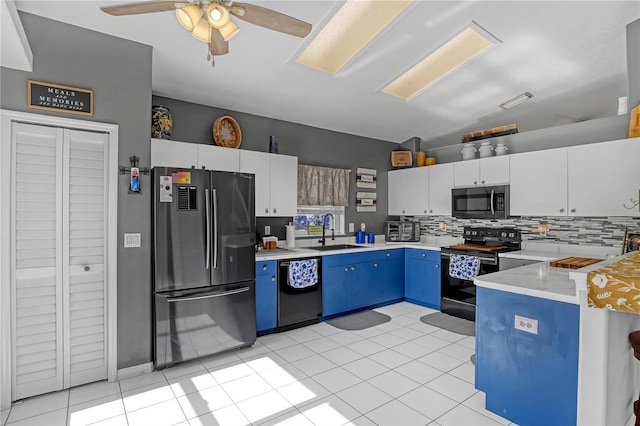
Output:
[[203, 263]]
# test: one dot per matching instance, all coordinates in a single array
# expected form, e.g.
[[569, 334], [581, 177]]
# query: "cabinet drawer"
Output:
[[265, 267], [431, 255], [345, 259], [380, 255]]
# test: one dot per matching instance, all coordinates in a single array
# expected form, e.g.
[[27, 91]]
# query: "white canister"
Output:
[[486, 150], [468, 151], [501, 148]]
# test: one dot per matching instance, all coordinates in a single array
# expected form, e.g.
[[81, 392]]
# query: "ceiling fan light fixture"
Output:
[[353, 26], [459, 50], [516, 101], [189, 16], [229, 30], [217, 15], [202, 31]]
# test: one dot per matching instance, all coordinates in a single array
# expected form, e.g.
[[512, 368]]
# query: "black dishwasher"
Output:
[[299, 292]]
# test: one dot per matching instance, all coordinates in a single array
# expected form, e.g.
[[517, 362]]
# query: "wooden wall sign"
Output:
[[54, 97]]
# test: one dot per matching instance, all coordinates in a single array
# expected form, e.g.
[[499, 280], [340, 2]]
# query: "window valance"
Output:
[[322, 186]]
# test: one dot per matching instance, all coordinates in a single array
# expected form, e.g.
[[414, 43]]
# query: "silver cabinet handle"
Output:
[[483, 182], [346, 269], [402, 211], [475, 182], [265, 267], [207, 204], [87, 268], [209, 296], [573, 210], [430, 211], [266, 210], [423, 255], [273, 277], [437, 266], [275, 210], [375, 265], [561, 210], [388, 254], [353, 268], [214, 193], [425, 211]]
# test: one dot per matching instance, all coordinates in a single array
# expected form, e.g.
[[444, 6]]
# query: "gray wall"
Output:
[[313, 146], [119, 73]]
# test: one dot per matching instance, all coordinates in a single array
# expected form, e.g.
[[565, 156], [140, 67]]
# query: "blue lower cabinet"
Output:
[[530, 379], [388, 280], [422, 279], [266, 297], [360, 285], [335, 290]]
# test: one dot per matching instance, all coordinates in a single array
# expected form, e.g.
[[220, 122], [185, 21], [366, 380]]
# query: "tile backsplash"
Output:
[[597, 231]]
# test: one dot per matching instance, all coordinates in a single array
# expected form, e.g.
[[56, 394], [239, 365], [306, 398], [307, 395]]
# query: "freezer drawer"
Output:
[[196, 323]]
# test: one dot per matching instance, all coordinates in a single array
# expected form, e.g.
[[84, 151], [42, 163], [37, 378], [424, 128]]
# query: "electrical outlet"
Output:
[[529, 325], [267, 230], [131, 240], [351, 227]]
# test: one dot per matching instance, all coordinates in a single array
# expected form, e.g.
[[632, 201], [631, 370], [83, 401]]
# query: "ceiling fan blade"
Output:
[[271, 19], [218, 46], [137, 8]]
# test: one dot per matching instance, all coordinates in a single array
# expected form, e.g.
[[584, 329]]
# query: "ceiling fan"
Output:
[[210, 20]]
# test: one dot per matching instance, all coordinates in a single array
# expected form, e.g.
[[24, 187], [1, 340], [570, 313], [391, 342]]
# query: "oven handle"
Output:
[[208, 296], [485, 260], [493, 210]]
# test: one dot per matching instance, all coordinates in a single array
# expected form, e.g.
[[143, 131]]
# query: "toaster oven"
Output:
[[402, 231]]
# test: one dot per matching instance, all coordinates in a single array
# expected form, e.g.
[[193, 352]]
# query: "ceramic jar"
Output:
[[501, 148], [486, 150], [421, 159], [161, 122], [468, 151]]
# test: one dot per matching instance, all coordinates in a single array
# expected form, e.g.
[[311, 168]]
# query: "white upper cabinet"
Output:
[[193, 155], [407, 192], [276, 182], [539, 183], [604, 178], [440, 184], [482, 171]]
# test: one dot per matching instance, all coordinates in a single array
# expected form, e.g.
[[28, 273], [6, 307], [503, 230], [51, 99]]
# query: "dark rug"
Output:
[[359, 321], [473, 359], [450, 323]]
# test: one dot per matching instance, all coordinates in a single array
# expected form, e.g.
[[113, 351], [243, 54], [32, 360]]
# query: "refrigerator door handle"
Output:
[[215, 228], [207, 203], [209, 296], [493, 211]]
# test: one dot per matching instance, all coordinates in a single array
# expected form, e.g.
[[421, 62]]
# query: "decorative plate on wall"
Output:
[[226, 132]]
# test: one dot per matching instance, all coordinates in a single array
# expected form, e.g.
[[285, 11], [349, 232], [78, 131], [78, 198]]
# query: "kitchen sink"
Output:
[[335, 247]]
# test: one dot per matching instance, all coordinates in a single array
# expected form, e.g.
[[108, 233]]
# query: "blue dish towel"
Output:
[[303, 273], [464, 267]]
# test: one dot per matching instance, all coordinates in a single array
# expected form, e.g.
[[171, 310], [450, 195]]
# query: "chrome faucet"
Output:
[[324, 222]]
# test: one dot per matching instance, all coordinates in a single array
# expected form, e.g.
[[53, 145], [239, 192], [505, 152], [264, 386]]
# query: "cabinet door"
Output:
[[360, 285], [423, 282], [539, 183], [466, 173], [411, 197], [440, 184], [388, 281], [396, 192], [258, 163], [335, 290], [266, 301], [213, 157], [494, 170], [603, 178], [284, 185], [166, 153]]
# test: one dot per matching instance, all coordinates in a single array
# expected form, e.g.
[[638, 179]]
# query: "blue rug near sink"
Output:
[[359, 321]]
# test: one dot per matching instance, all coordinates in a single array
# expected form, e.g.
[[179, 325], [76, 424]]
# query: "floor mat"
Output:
[[450, 323], [359, 321]]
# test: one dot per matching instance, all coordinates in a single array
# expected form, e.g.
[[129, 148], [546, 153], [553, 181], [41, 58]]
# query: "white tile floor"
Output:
[[403, 372]]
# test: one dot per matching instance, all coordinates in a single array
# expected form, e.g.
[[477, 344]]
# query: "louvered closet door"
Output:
[[84, 278], [36, 260]]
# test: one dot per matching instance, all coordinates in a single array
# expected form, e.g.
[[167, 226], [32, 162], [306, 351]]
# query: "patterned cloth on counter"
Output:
[[303, 273], [616, 286], [464, 267]]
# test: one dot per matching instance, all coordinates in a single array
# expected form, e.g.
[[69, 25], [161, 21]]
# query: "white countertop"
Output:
[[309, 251]]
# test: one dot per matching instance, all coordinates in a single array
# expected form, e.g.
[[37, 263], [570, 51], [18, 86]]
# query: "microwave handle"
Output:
[[493, 210]]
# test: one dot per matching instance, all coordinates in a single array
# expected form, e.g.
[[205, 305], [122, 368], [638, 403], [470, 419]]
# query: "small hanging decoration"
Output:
[[134, 173]]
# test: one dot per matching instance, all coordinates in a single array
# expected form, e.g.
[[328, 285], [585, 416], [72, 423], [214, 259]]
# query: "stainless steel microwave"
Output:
[[484, 202], [402, 231]]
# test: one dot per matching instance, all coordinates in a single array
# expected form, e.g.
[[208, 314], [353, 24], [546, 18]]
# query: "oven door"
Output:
[[458, 296], [489, 202]]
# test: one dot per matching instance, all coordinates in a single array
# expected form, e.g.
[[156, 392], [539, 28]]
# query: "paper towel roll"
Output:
[[291, 236]]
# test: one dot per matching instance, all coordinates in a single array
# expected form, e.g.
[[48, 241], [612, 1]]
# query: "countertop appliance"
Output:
[[203, 263], [458, 295], [484, 202], [397, 231], [299, 293]]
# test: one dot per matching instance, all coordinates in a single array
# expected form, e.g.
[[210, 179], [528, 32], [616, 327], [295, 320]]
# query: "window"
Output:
[[314, 215]]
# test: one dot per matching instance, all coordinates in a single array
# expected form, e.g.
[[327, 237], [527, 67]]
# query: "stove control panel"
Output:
[[509, 236]]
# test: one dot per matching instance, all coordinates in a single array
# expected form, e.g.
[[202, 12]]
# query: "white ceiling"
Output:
[[570, 55]]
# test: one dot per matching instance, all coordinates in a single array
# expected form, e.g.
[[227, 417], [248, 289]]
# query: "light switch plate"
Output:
[[351, 227], [529, 325], [132, 240], [267, 230]]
